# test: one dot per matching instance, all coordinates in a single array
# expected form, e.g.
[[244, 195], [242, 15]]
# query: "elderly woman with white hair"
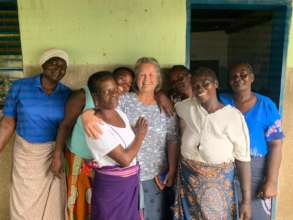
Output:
[[158, 153], [34, 108]]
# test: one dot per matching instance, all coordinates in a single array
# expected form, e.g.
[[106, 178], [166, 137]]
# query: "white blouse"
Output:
[[112, 136], [212, 138]]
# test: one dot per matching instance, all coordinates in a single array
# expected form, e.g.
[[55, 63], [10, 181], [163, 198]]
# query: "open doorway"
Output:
[[220, 35], [220, 38], [224, 32]]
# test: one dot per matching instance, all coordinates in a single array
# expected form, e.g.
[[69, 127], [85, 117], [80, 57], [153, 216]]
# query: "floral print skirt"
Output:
[[79, 191], [204, 191]]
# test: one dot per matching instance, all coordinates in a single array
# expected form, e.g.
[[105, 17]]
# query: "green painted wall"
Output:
[[104, 31], [98, 34]]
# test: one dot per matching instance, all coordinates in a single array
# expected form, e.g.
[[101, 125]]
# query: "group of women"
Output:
[[122, 151]]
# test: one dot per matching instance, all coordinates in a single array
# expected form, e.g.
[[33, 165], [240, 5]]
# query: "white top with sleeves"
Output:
[[212, 138], [112, 136]]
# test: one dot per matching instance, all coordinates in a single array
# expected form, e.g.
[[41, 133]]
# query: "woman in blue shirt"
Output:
[[264, 124], [34, 109]]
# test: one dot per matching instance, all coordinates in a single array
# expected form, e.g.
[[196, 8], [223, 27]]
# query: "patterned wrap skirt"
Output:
[[79, 192], [204, 191], [35, 192], [116, 193], [260, 208]]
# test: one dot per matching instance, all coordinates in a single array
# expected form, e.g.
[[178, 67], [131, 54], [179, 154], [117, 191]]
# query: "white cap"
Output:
[[48, 54]]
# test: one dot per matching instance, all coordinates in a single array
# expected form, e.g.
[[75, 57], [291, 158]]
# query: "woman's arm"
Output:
[[73, 109], [8, 122], [125, 156], [173, 149], [269, 188], [7, 128], [91, 124], [165, 104], [173, 152], [244, 174]]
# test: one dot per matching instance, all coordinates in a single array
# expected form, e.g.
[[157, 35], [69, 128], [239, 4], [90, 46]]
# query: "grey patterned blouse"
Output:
[[161, 131]]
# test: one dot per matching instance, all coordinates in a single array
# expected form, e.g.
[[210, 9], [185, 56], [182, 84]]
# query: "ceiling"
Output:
[[230, 21]]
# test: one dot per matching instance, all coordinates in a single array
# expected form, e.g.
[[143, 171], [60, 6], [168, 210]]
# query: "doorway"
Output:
[[221, 33], [224, 32]]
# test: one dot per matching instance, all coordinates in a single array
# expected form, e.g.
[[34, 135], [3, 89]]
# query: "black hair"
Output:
[[117, 71], [179, 68], [204, 71], [98, 77], [247, 65]]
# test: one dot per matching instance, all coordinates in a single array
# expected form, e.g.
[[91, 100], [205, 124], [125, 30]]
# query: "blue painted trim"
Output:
[[288, 15], [276, 53], [188, 33]]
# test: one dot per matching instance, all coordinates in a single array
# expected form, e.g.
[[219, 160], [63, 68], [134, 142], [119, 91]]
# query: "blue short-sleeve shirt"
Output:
[[37, 114], [263, 121]]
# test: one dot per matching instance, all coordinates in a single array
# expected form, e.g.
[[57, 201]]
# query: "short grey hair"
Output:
[[150, 60]]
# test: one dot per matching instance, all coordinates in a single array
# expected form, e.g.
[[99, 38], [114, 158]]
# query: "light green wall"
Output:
[[112, 32], [97, 34], [104, 31]]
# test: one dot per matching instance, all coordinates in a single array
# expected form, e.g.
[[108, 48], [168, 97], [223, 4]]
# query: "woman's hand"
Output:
[[57, 164], [123, 156], [141, 127], [269, 187], [90, 123], [244, 175], [245, 211], [268, 190], [165, 104], [170, 178], [7, 128]]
